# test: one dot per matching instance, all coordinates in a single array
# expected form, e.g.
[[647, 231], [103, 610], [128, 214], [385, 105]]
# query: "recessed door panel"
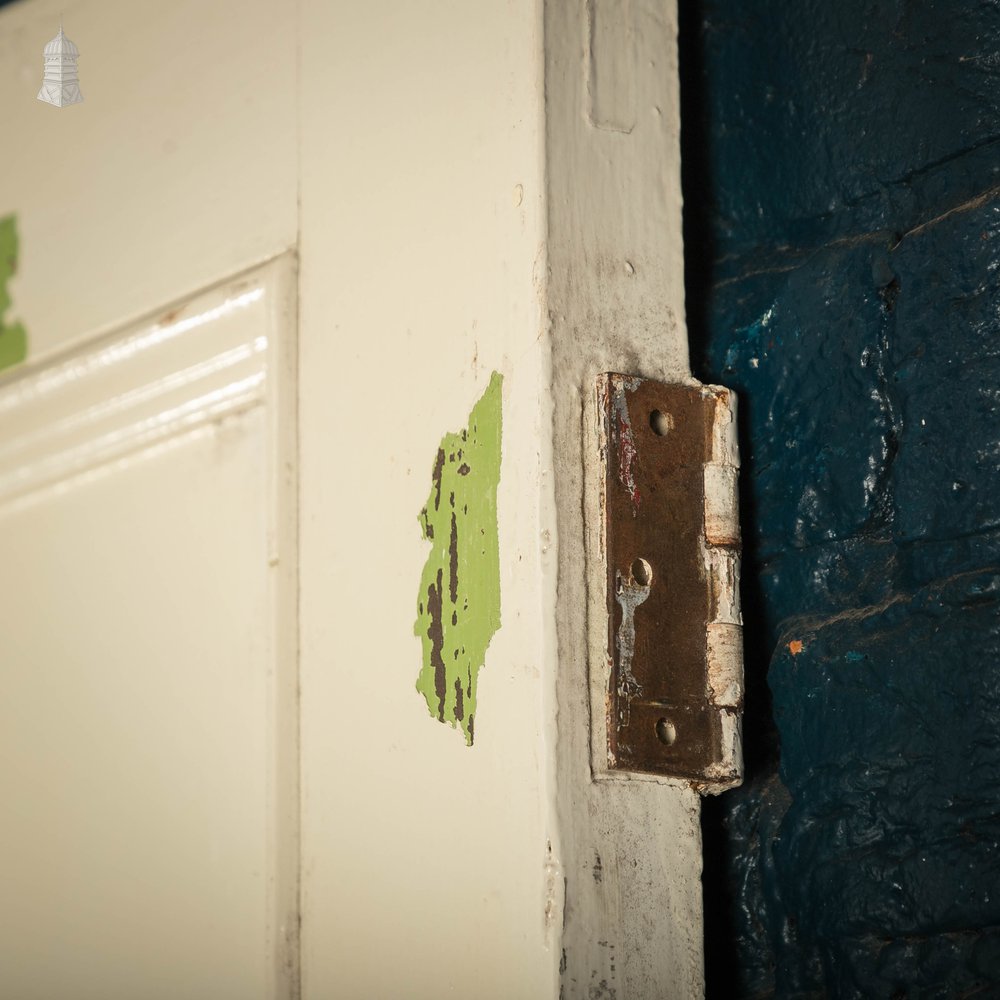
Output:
[[147, 724]]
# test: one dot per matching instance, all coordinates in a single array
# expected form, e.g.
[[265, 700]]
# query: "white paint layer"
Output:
[[631, 849], [427, 869]]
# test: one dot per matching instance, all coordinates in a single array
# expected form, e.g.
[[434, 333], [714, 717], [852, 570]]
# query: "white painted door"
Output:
[[282, 263]]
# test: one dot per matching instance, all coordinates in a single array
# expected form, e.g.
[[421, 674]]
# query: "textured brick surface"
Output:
[[845, 283]]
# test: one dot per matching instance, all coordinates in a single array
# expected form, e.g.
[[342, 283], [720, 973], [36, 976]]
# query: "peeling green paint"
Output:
[[459, 600], [13, 338]]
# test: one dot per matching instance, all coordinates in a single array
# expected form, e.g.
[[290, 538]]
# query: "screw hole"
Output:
[[642, 572], [662, 423], [665, 732]]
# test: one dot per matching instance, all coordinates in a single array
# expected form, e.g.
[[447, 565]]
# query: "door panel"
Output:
[[147, 728]]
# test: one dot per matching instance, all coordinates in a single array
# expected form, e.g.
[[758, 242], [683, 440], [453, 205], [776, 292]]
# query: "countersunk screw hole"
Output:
[[662, 423], [665, 732], [642, 572]]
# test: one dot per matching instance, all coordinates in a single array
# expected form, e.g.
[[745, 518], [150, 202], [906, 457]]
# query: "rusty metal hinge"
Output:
[[673, 686]]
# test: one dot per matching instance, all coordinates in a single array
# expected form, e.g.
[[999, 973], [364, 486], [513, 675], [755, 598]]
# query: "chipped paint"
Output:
[[725, 665], [13, 338], [629, 594], [459, 600], [621, 430], [555, 896]]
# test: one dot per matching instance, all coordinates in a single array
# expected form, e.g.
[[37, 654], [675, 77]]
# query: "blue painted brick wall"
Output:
[[842, 184]]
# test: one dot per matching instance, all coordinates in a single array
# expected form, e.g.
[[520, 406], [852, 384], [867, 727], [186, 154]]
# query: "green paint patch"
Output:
[[13, 338], [459, 600]]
